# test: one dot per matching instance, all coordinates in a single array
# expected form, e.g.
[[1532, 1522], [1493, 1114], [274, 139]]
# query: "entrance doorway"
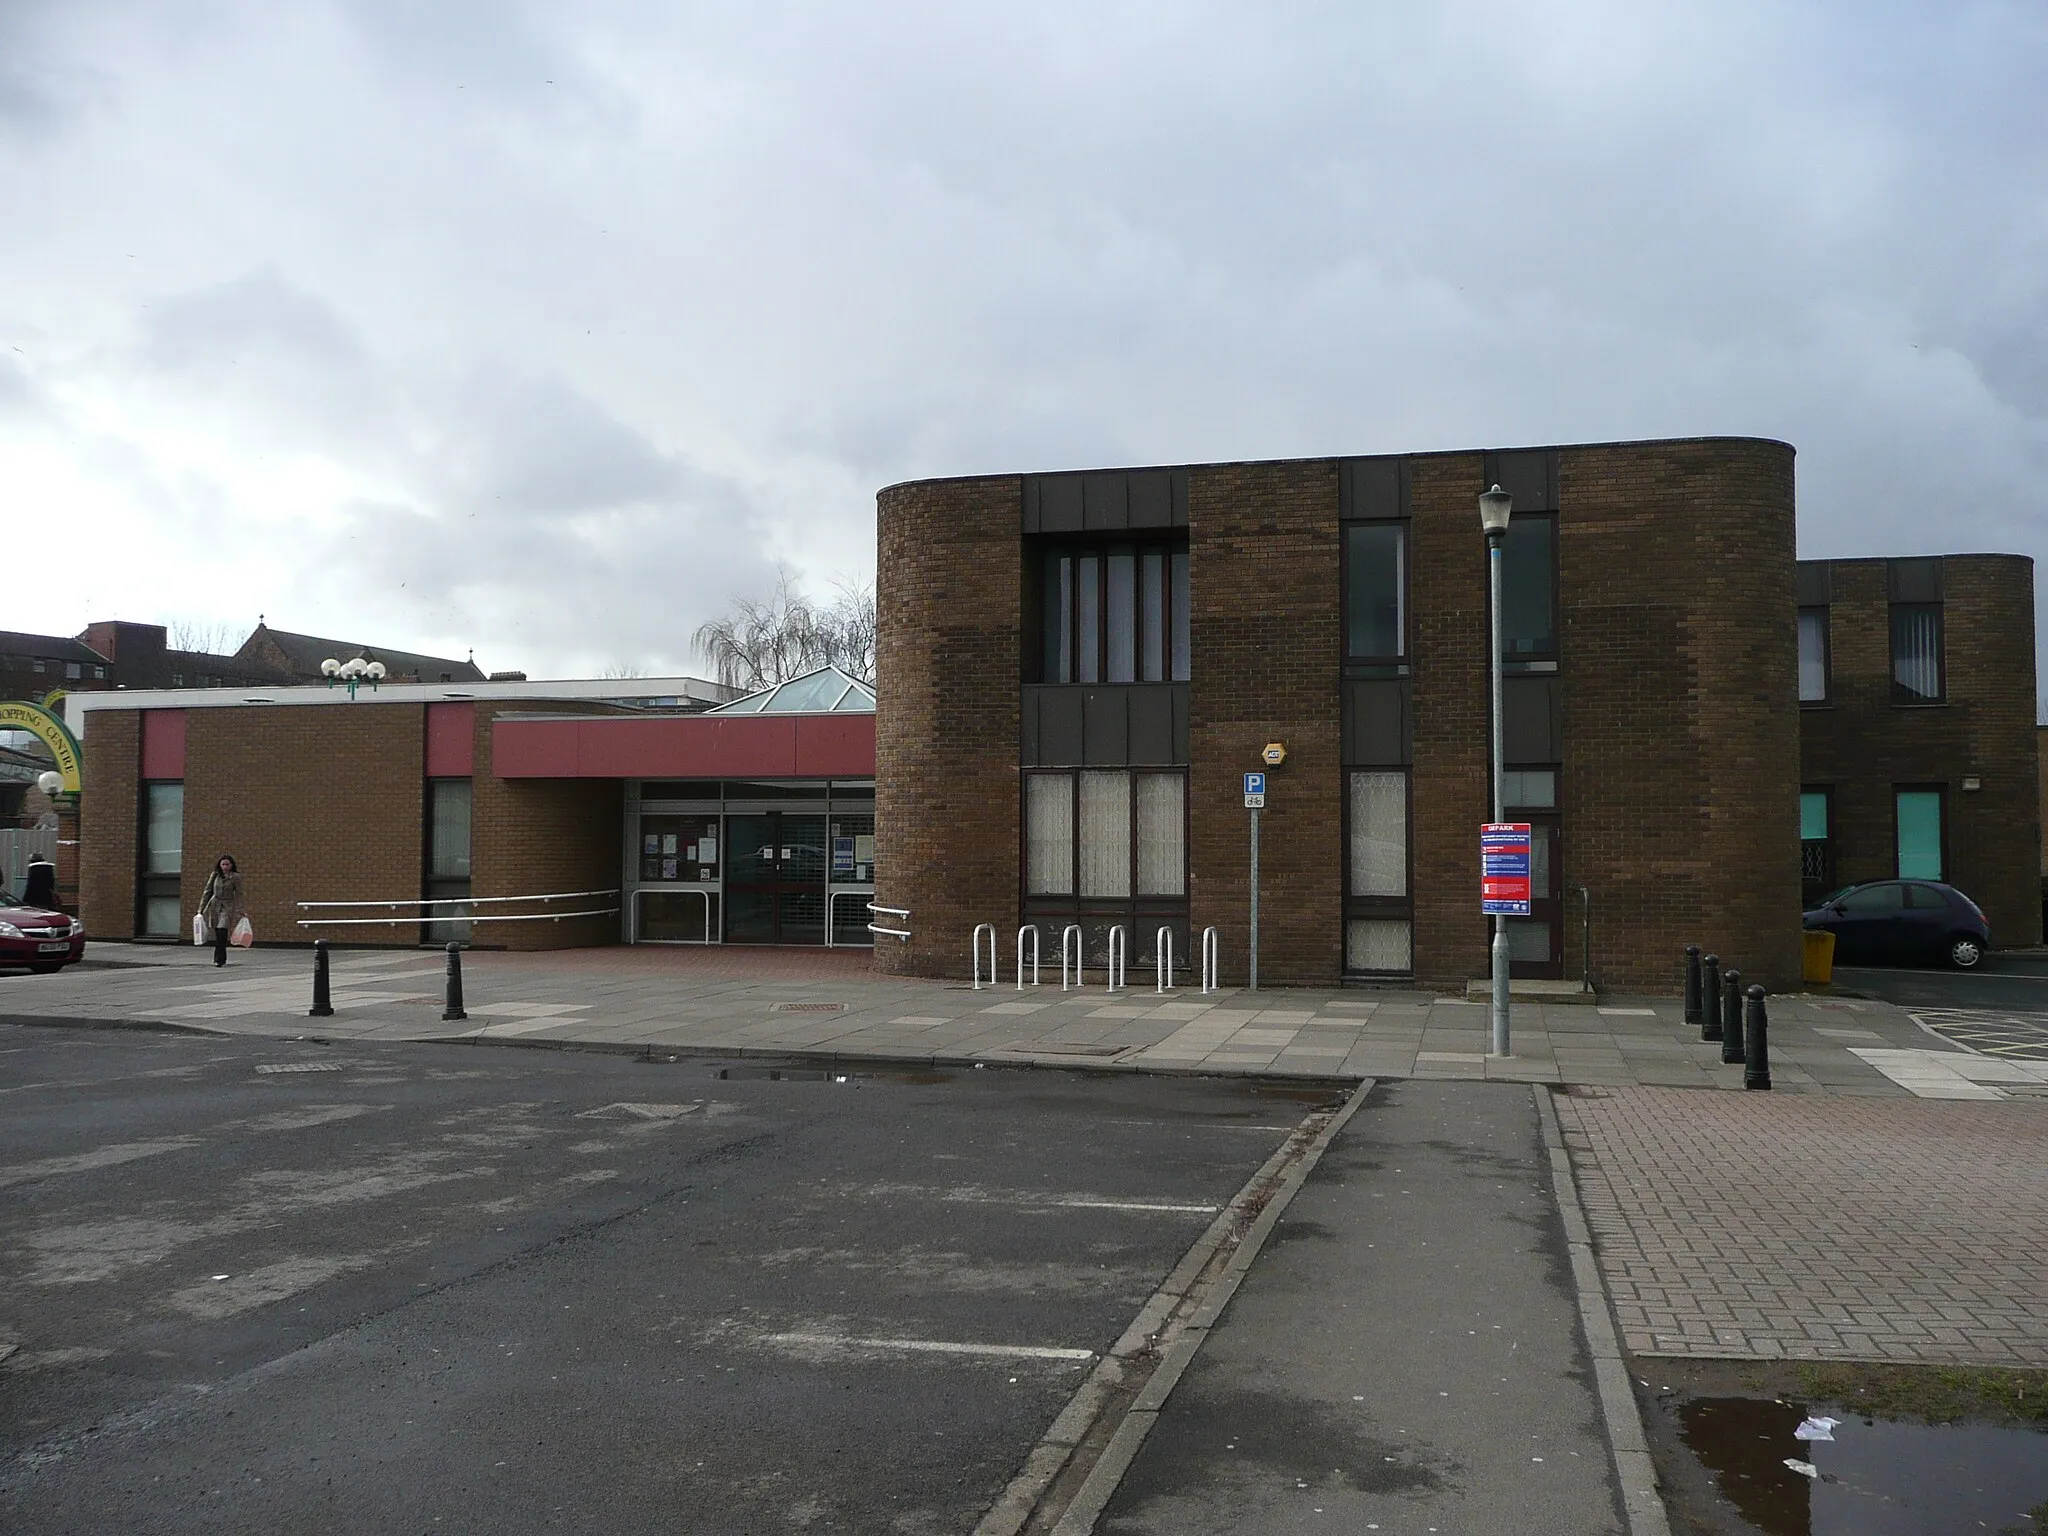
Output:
[[775, 878]]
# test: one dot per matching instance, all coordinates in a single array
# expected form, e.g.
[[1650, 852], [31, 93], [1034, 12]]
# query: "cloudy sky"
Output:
[[545, 329]]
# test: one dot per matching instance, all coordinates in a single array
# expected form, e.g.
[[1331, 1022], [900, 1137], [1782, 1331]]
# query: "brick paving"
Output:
[[1791, 1227]]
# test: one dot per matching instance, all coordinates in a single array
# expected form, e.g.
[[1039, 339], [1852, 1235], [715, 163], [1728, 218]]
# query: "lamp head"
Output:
[[1495, 506], [352, 668], [375, 671], [330, 668], [49, 781]]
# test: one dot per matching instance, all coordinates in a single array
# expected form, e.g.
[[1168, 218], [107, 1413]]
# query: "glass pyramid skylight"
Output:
[[827, 691]]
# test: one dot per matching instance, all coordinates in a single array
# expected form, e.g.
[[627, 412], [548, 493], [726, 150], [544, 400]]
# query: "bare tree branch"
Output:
[[762, 642], [209, 636]]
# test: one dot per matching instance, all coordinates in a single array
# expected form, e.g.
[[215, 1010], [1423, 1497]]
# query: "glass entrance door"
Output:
[[775, 878]]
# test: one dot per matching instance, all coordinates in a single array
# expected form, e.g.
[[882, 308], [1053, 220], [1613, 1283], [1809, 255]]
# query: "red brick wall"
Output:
[[947, 588], [316, 803], [109, 823], [1262, 568], [529, 837], [1863, 745]]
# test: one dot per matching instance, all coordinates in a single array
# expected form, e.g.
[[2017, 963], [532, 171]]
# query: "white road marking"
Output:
[[299, 1066], [102, 1157], [640, 1111], [924, 1346], [1134, 1205]]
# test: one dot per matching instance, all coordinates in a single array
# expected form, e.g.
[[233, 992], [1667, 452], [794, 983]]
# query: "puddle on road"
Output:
[[1875, 1478]]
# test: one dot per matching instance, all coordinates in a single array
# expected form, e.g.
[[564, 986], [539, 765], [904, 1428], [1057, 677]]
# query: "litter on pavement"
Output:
[[1816, 1429]]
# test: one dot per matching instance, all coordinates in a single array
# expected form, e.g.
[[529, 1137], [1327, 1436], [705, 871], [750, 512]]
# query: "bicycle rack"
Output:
[[1163, 960], [979, 929], [1032, 929], [1119, 955], [1209, 948], [1071, 932]]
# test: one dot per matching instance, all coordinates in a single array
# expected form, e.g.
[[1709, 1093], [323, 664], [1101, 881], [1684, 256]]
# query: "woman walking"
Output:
[[222, 905]]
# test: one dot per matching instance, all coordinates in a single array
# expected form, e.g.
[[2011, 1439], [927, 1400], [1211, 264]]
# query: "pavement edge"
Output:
[[1019, 1509], [1634, 1473]]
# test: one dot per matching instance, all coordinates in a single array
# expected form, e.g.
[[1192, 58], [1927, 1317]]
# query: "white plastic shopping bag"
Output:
[[199, 933], [243, 935]]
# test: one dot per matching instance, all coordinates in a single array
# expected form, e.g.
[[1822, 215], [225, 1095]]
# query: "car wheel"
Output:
[[1964, 952]]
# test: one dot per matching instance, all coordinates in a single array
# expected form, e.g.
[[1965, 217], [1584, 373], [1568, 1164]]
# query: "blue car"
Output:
[[1903, 922]]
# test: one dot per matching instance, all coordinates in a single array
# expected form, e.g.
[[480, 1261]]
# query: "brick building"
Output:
[[531, 815], [1076, 669], [1919, 752]]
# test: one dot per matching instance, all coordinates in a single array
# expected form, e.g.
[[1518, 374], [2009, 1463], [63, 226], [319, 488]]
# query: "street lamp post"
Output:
[[1495, 507], [354, 672]]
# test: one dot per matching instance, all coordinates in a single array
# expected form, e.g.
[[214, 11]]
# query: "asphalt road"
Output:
[[2001, 982], [264, 1286]]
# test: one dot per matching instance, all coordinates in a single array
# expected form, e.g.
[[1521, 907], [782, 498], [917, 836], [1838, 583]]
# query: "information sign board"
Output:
[[1504, 869], [1254, 791]]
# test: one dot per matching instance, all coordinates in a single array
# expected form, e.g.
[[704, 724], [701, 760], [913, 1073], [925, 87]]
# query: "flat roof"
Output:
[[643, 692]]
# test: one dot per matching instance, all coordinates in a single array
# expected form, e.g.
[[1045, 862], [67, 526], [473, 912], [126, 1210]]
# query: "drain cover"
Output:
[[807, 1007]]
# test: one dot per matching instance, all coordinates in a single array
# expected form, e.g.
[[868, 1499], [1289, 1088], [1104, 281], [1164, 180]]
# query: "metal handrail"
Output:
[[1586, 936], [902, 933], [1072, 931], [994, 960], [1162, 957], [1210, 949], [401, 922], [685, 890], [1032, 929], [1119, 955], [454, 901]]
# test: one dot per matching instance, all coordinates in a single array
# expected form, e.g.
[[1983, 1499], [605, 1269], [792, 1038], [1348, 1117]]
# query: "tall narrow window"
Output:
[[1152, 616], [1180, 614], [1059, 619], [1049, 834], [1528, 589], [1816, 847], [1813, 655], [1378, 920], [1918, 815], [1160, 812], [1120, 626], [1916, 653], [1105, 833], [448, 879], [1088, 619], [163, 860], [1375, 591]]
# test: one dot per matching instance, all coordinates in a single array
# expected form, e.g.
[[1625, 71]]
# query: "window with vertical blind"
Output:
[[160, 911], [1114, 613], [1105, 834], [1378, 909], [1813, 655], [448, 879], [1916, 653]]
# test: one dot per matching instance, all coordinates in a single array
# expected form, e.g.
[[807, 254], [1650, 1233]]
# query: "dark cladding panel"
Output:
[[1105, 727], [1106, 502], [1532, 717], [1180, 497], [1027, 720], [1372, 488], [1915, 581], [1159, 723], [1529, 475], [1376, 732], [1151, 493], [1057, 501], [1812, 580], [1059, 726]]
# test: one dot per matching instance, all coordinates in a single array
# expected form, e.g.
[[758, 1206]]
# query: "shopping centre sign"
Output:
[[19, 715]]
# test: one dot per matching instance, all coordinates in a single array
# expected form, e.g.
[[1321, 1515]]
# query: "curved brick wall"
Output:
[[1678, 699]]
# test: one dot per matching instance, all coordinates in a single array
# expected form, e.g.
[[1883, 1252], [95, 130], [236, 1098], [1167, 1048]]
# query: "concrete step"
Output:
[[1529, 991]]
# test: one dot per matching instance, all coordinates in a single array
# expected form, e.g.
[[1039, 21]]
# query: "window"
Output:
[[1530, 788], [1816, 847], [1813, 655], [1874, 900], [163, 860], [1916, 654], [1378, 911], [1917, 816], [1529, 590], [1105, 835], [1375, 591], [448, 822], [1116, 614]]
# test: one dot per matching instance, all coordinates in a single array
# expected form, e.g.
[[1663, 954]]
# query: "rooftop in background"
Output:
[[827, 691], [300, 657]]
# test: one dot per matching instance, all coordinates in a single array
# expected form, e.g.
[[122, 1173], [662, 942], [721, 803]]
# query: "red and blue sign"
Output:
[[1504, 869]]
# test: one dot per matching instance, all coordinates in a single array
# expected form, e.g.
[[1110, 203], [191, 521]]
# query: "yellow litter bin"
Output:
[[1820, 956]]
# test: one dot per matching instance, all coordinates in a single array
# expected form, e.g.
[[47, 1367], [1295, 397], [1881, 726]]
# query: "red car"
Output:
[[38, 937]]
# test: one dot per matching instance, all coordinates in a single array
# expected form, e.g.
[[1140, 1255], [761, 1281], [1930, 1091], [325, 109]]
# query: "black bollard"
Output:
[[1710, 998], [1756, 1071], [323, 1005], [1693, 1013], [454, 1008], [1731, 1017]]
